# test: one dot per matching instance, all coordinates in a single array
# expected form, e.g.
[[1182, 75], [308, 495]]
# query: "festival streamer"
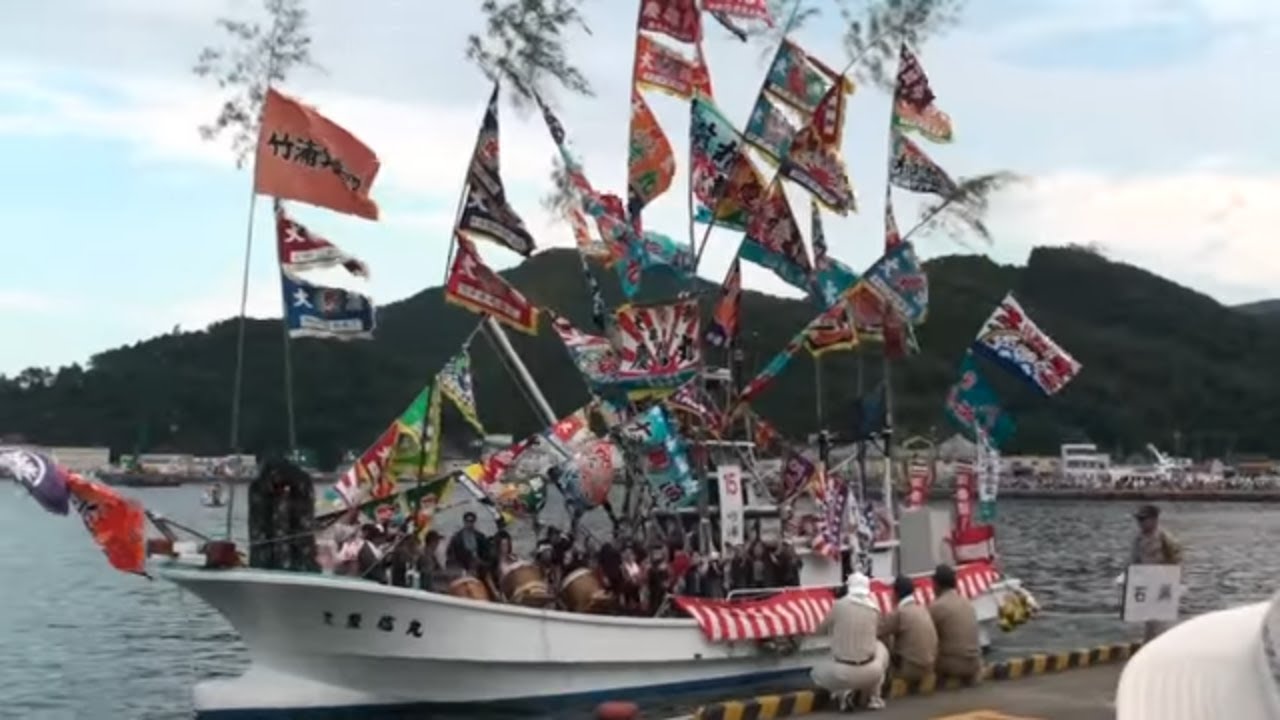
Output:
[[593, 355], [799, 80], [830, 331], [900, 279], [299, 250], [692, 399], [40, 475], [891, 235], [988, 478], [651, 164], [911, 169], [486, 211], [972, 403], [831, 278], [666, 461], [1015, 342], [723, 331], [745, 9], [116, 523], [658, 346], [913, 101], [660, 68], [677, 19], [304, 156], [474, 286], [769, 130], [714, 146], [455, 383], [740, 192], [773, 240], [323, 312], [813, 159]]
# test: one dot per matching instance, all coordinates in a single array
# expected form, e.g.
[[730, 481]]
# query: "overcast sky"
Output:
[[1146, 127]]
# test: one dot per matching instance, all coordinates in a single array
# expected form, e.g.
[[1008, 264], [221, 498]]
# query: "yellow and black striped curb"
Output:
[[768, 707]]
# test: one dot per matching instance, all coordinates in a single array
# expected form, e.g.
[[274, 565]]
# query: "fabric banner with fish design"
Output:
[[831, 278], [486, 211], [677, 19], [660, 68], [658, 346], [774, 241], [723, 330], [651, 164], [304, 156], [455, 383], [593, 355], [476, 287], [317, 311], [1015, 342], [902, 281], [911, 169], [300, 250], [666, 460], [586, 477], [972, 404], [913, 101], [799, 80]]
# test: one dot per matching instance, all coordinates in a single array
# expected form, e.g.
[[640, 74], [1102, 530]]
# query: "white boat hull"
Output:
[[321, 641]]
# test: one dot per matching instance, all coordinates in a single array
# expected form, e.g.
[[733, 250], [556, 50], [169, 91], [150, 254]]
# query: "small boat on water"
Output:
[[212, 496]]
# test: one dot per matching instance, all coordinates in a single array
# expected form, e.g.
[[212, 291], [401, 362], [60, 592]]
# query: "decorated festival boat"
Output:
[[654, 425]]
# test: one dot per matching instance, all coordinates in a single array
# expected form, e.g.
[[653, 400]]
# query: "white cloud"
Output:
[[23, 301]]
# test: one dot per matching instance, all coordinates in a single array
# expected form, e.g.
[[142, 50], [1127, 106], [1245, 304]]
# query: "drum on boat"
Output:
[[470, 588], [582, 593], [523, 584]]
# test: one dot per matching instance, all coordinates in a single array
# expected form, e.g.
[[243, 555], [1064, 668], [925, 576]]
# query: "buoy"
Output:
[[617, 710]]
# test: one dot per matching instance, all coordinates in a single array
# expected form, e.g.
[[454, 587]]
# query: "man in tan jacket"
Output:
[[1153, 545], [959, 650], [858, 661], [909, 634]]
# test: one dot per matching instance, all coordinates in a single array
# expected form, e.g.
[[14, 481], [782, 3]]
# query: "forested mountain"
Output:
[[1160, 361]]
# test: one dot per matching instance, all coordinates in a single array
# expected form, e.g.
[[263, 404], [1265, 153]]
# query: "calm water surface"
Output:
[[83, 641]]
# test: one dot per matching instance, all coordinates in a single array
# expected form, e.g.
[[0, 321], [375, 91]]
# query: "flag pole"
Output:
[[290, 426]]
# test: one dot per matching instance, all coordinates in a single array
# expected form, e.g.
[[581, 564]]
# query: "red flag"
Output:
[[724, 320], [701, 77], [299, 250], [302, 155], [116, 524], [749, 9], [678, 19], [476, 287], [661, 68]]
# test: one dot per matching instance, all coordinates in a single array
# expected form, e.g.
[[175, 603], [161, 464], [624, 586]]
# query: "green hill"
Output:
[[1159, 359]]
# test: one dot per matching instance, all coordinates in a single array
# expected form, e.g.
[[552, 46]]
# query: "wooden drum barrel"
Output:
[[470, 588], [522, 583], [582, 593]]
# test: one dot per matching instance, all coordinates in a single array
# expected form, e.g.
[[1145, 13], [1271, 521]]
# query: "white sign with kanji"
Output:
[[1151, 593], [732, 517]]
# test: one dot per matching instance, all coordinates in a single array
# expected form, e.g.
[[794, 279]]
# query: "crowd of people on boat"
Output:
[[630, 575]]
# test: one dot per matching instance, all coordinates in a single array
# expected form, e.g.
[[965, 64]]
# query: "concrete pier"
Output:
[[1085, 694]]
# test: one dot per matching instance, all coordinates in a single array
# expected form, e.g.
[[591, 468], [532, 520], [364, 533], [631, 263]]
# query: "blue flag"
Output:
[[972, 403], [318, 311]]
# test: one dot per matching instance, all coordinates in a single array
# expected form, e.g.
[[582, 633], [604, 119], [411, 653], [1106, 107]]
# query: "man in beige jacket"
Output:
[[959, 649], [909, 634], [858, 661]]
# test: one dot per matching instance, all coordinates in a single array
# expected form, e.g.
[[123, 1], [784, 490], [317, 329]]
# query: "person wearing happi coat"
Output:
[[858, 659]]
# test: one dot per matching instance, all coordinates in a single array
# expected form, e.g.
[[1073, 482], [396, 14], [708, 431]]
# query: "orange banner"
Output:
[[304, 156], [116, 524]]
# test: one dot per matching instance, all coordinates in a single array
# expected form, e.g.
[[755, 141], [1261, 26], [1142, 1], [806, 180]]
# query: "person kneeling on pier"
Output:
[[858, 660], [909, 634], [959, 647]]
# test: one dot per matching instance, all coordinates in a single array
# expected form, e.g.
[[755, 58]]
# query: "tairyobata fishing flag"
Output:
[[651, 164], [301, 250], [913, 101], [476, 287], [773, 240], [911, 169], [455, 382], [661, 68], [972, 405], [677, 19], [831, 278], [304, 156], [324, 312], [486, 211], [723, 330], [1014, 341]]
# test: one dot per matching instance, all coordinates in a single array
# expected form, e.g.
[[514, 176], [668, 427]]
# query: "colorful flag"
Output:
[[677, 19], [765, 377], [654, 251], [599, 310], [41, 476], [714, 149], [739, 195], [593, 355], [486, 211], [832, 330], [658, 346], [587, 475], [911, 169], [746, 9], [476, 287], [1013, 340], [666, 460], [651, 164], [692, 399], [828, 118], [324, 312], [700, 81], [455, 382], [902, 281], [818, 168], [769, 130], [797, 473], [774, 241], [299, 250], [797, 79], [116, 524], [913, 101], [304, 156], [724, 320], [891, 235], [973, 405], [663, 69], [831, 278], [415, 452]]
